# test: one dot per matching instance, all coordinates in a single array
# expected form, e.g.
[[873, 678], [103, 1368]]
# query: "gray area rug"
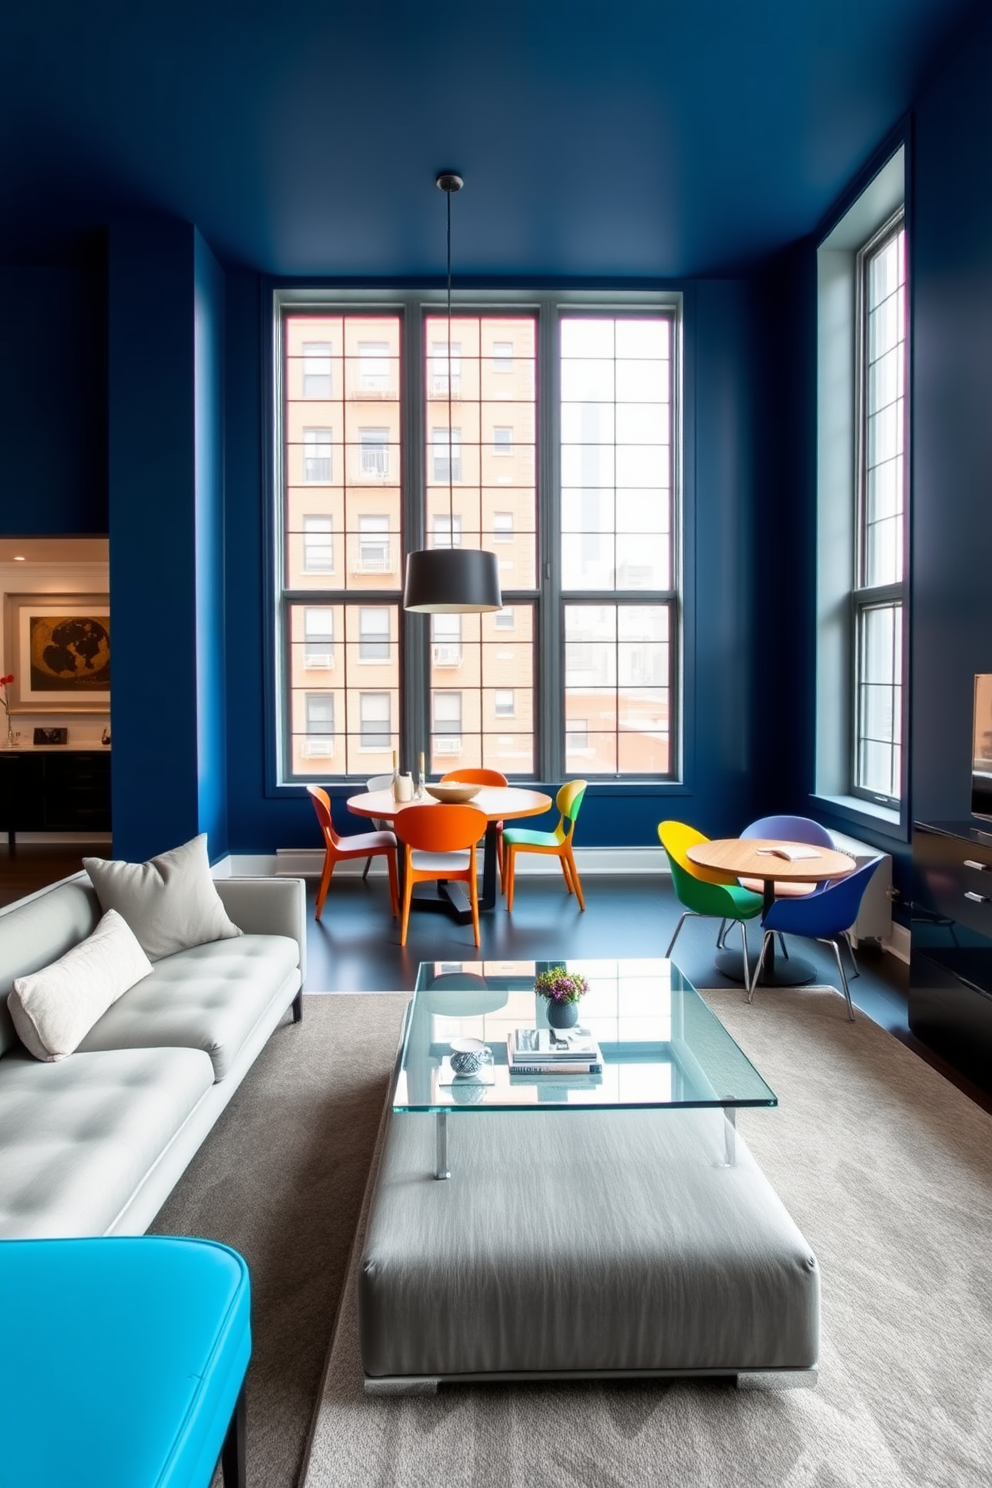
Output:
[[281, 1178], [887, 1169]]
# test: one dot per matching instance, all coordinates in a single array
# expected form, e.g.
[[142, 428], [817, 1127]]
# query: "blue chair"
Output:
[[786, 829], [122, 1363], [826, 917]]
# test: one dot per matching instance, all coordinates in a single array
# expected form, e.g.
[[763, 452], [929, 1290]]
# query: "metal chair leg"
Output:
[[782, 945], [720, 935], [747, 968], [761, 962], [688, 913], [855, 968], [835, 944], [368, 865]]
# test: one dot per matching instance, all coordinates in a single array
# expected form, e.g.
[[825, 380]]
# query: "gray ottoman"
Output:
[[580, 1243]]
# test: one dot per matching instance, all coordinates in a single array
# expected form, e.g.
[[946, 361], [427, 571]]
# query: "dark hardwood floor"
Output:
[[27, 866]]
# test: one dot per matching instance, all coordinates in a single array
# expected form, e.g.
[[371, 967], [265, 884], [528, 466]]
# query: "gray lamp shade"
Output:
[[452, 581]]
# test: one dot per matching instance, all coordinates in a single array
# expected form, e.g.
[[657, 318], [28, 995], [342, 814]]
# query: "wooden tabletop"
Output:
[[496, 802], [741, 857]]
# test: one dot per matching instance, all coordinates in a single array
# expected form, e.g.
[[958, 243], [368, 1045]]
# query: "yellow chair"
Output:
[[705, 892], [558, 842]]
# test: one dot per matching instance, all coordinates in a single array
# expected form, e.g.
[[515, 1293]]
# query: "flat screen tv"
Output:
[[981, 748]]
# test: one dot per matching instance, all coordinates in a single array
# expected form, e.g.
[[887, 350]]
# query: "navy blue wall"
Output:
[[53, 370], [720, 376], [952, 425], [211, 679], [152, 549]]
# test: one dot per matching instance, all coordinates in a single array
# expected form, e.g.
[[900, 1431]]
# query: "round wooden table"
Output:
[[496, 802], [752, 857]]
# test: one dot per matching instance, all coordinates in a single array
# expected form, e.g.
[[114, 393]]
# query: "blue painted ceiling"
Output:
[[598, 138]]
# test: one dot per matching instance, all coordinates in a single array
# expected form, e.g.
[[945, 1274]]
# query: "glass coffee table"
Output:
[[663, 1046]]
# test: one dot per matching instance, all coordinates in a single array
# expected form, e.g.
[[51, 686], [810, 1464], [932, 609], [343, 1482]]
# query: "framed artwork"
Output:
[[58, 648]]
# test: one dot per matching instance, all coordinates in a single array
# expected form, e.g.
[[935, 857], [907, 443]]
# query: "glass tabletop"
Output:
[[662, 1045]]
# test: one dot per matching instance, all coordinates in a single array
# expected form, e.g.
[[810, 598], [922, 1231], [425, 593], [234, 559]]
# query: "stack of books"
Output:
[[552, 1051]]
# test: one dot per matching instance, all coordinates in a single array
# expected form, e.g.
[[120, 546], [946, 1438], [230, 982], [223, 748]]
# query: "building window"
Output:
[[373, 366], [374, 445], [320, 725], [440, 452], [374, 554], [881, 503], [316, 369], [373, 634], [318, 544], [587, 558], [316, 455], [375, 720], [447, 740], [446, 640], [318, 635], [438, 381], [447, 531]]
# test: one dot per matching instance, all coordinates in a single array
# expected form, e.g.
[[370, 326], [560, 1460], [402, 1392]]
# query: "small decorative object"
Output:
[[105, 736], [421, 777], [468, 1055], [11, 740], [404, 787], [562, 989], [51, 735]]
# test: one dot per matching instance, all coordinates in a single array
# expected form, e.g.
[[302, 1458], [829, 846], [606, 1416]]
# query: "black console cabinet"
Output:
[[950, 982], [54, 791]]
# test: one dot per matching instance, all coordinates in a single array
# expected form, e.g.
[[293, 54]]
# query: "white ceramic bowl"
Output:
[[456, 791]]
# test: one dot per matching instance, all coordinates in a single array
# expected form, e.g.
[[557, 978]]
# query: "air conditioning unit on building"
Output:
[[450, 745], [447, 655]]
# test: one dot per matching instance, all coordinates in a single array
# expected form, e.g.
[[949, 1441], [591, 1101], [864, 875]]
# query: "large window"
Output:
[[863, 503], [878, 594], [560, 452]]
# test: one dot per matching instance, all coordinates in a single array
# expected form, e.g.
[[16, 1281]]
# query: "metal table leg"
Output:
[[441, 1145]]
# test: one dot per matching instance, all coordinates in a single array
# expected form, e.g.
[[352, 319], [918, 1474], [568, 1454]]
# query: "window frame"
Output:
[[866, 597], [546, 597]]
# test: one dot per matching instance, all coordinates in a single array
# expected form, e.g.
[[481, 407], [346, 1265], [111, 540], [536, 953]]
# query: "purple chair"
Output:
[[825, 917]]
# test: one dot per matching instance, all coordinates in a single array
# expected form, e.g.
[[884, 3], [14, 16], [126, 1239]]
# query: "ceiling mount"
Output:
[[448, 181]]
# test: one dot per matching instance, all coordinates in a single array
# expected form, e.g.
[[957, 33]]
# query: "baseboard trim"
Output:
[[899, 942], [308, 862]]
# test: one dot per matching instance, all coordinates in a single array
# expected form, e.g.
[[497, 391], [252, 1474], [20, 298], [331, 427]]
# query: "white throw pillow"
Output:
[[170, 902], [55, 1008]]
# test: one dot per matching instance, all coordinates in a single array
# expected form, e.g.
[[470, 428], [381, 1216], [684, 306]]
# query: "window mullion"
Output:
[[550, 657], [415, 629]]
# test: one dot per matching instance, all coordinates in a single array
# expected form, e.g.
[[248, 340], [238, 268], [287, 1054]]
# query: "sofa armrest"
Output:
[[268, 906]]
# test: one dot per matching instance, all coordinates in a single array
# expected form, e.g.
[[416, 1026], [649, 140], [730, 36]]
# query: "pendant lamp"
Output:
[[451, 581]]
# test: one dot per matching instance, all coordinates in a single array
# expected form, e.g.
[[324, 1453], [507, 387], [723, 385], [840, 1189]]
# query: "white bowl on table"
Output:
[[456, 791]]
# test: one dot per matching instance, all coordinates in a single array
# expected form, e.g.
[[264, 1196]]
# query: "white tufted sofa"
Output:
[[93, 1144]]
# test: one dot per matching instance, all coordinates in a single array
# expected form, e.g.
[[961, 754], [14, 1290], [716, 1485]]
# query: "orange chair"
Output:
[[426, 830], [558, 842], [482, 777], [339, 849]]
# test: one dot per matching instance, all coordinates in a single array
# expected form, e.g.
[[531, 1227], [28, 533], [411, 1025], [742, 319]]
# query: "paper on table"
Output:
[[791, 854]]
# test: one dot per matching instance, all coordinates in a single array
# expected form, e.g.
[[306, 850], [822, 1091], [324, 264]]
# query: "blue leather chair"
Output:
[[825, 917], [122, 1363], [786, 829]]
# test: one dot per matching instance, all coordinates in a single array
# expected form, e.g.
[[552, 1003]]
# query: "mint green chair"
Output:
[[558, 842], [704, 891]]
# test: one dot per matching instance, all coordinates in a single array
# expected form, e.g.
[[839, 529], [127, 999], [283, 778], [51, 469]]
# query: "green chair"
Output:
[[704, 891], [558, 842]]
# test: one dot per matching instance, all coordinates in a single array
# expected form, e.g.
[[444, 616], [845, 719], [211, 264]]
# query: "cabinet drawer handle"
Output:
[[979, 867], [976, 898]]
